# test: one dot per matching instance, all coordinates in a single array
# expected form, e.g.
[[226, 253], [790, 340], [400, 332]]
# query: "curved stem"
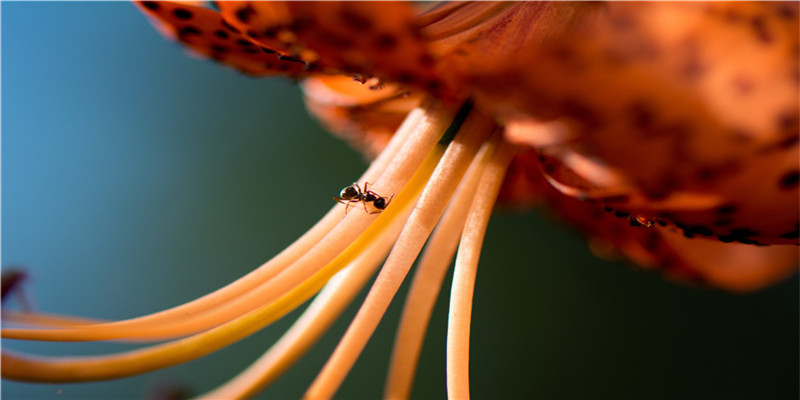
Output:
[[407, 159], [466, 269], [312, 324], [430, 273], [425, 215], [72, 369]]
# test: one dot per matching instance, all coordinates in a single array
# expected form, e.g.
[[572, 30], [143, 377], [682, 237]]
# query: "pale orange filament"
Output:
[[310, 326], [458, 327], [430, 273], [409, 154], [33, 368], [429, 208], [356, 242]]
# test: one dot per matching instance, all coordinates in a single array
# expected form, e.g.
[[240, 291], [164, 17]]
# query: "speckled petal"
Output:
[[205, 33], [371, 39], [682, 111]]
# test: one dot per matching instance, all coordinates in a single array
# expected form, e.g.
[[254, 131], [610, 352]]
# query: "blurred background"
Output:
[[136, 178]]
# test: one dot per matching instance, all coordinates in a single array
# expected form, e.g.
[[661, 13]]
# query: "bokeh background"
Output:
[[136, 178]]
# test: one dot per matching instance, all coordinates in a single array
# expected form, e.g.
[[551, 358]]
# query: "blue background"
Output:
[[135, 178]]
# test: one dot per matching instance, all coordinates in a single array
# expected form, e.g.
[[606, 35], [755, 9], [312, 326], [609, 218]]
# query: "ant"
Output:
[[353, 194]]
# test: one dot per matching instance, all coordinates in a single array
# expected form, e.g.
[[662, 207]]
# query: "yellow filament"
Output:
[[427, 131], [73, 369], [438, 191]]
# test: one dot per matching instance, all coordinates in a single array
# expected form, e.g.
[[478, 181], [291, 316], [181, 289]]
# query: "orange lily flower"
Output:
[[667, 132]]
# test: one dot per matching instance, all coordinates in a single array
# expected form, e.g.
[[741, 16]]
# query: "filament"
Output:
[[309, 257], [430, 206], [427, 282], [458, 327]]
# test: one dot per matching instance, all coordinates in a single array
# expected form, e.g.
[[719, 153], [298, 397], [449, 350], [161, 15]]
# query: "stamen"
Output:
[[421, 298], [246, 294], [312, 324], [417, 229], [458, 328], [69, 369]]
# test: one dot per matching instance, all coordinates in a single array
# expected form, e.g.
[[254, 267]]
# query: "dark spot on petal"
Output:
[[433, 86], [251, 50], [268, 51], [253, 34], [284, 67], [405, 77], [698, 230], [726, 238], [426, 60], [579, 111], [740, 233], [300, 24], [788, 142], [623, 22], [182, 13], [742, 85], [230, 27], [691, 67], [723, 222], [760, 28], [151, 5], [289, 58], [245, 13], [219, 49], [244, 43], [270, 32], [786, 11], [642, 115], [386, 42], [793, 234], [355, 21], [621, 214], [726, 209], [789, 180], [336, 41], [789, 122], [188, 31], [221, 34], [733, 16]]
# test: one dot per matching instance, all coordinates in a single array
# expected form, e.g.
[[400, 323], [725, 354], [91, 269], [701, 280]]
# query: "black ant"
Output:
[[353, 194]]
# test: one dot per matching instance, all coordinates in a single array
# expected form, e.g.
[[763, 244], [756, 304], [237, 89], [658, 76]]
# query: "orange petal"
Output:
[[474, 38], [373, 39], [691, 108], [731, 266], [366, 116], [205, 32]]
